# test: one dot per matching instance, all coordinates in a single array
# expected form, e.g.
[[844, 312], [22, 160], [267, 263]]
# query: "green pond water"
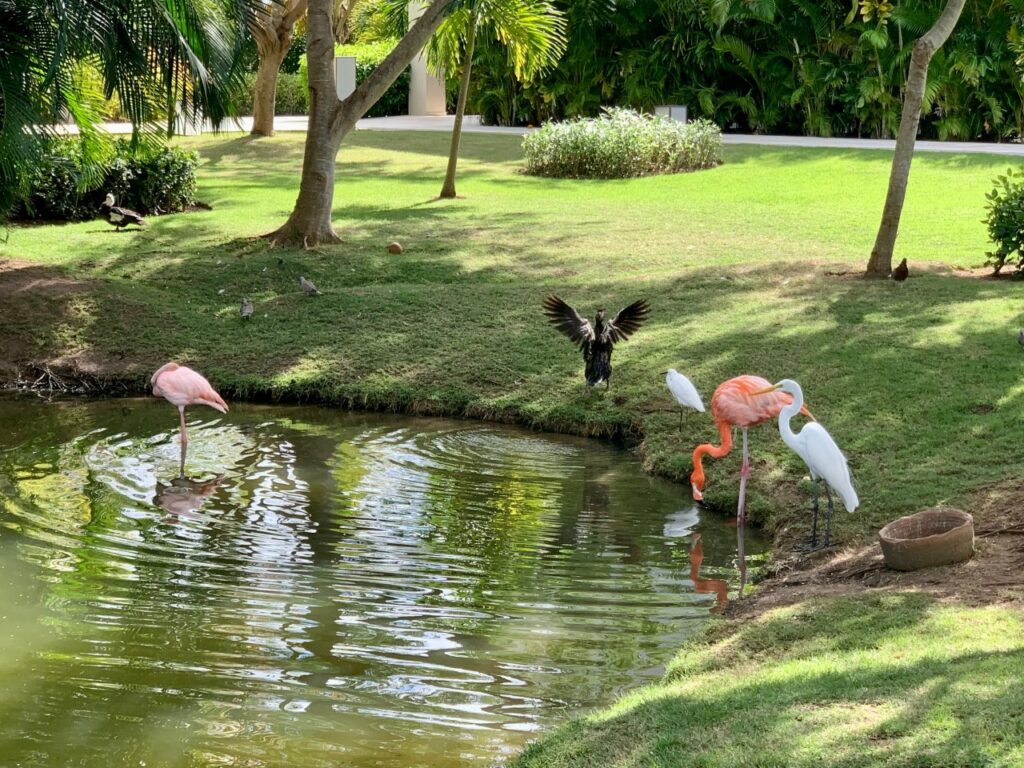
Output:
[[328, 589]]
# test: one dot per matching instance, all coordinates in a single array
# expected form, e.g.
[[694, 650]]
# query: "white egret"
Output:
[[684, 392], [820, 453]]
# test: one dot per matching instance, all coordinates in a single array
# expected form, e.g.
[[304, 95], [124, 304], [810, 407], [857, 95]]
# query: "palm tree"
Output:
[[532, 31], [161, 58]]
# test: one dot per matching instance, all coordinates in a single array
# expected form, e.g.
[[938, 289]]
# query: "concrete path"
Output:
[[286, 123]]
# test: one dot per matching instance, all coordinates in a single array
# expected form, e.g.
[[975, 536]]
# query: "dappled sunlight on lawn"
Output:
[[848, 682]]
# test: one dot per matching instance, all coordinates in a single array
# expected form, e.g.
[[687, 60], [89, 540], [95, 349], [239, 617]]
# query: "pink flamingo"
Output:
[[182, 386], [739, 402]]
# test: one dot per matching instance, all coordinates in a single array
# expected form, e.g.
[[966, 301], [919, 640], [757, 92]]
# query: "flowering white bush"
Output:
[[620, 144]]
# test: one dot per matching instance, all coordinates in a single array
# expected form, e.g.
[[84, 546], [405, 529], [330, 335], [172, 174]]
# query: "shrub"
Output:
[[395, 100], [1006, 220], [151, 181], [292, 95], [621, 144]]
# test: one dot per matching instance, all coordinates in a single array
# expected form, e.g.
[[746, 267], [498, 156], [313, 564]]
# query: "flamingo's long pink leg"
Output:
[[741, 515], [184, 438]]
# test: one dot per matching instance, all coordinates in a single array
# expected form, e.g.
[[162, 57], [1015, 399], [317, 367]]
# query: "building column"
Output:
[[426, 90]]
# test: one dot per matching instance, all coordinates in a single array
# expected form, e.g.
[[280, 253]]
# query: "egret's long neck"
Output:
[[787, 413]]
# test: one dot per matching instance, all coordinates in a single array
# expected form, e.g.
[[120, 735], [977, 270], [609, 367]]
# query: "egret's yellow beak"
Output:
[[766, 390]]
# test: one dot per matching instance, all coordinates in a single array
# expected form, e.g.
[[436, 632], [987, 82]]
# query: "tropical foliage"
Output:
[[532, 33], [621, 144], [147, 180], [820, 67], [1005, 220], [158, 58]]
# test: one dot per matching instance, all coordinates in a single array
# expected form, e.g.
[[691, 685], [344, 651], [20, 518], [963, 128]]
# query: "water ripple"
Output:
[[323, 588]]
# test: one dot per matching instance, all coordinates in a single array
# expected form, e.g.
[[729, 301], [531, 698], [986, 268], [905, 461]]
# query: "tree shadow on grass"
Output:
[[853, 682], [917, 384]]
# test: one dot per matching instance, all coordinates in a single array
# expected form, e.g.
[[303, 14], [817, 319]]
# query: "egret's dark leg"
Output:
[[814, 519], [680, 419], [828, 516], [741, 517], [184, 439]]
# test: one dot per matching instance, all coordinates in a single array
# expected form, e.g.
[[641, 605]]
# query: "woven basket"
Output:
[[937, 536]]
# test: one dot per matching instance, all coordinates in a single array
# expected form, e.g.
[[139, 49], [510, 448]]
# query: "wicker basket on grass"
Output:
[[937, 536]]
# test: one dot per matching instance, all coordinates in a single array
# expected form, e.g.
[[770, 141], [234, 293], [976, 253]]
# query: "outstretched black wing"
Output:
[[568, 320], [626, 323]]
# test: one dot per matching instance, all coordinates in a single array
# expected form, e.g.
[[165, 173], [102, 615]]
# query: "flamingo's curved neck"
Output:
[[789, 411], [714, 451]]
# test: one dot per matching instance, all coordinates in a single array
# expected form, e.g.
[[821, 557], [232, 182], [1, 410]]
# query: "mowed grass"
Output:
[[920, 384], [893, 680]]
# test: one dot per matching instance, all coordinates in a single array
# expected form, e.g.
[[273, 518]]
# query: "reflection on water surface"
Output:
[[325, 588]]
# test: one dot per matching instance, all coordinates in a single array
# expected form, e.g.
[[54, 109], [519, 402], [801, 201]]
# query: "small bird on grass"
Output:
[[901, 272], [120, 217], [1020, 337], [308, 287], [596, 341], [246, 309]]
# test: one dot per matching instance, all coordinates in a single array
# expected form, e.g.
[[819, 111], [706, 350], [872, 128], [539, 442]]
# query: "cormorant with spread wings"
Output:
[[596, 341]]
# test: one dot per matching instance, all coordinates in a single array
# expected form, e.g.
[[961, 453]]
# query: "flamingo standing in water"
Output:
[[743, 402], [182, 386]]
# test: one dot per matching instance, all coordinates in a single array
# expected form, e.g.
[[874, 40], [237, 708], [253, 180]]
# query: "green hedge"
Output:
[[292, 95], [395, 100], [149, 181], [621, 144]]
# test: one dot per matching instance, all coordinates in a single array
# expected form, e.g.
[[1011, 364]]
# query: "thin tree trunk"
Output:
[[273, 34], [330, 120], [880, 263], [342, 17], [264, 96], [448, 188]]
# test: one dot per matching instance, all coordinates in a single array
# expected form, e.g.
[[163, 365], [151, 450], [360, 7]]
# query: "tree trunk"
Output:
[[342, 17], [880, 263], [273, 35], [331, 120], [310, 220], [264, 95], [448, 188]]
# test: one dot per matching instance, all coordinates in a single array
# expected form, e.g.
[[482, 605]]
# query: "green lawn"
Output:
[[894, 680], [920, 384]]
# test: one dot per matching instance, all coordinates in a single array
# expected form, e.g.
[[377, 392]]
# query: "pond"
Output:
[[329, 588]]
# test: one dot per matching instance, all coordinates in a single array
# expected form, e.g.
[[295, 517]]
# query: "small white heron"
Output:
[[820, 453], [684, 392]]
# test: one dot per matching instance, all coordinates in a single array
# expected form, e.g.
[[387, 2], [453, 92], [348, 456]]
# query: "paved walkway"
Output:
[[284, 123]]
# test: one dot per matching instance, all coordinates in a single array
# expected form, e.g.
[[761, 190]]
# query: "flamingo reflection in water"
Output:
[[717, 587], [183, 496]]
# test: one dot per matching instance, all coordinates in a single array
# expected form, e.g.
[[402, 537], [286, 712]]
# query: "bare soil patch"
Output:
[[37, 301], [995, 575]]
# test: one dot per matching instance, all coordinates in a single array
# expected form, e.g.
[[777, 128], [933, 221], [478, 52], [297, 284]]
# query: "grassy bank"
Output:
[[893, 680], [919, 384]]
